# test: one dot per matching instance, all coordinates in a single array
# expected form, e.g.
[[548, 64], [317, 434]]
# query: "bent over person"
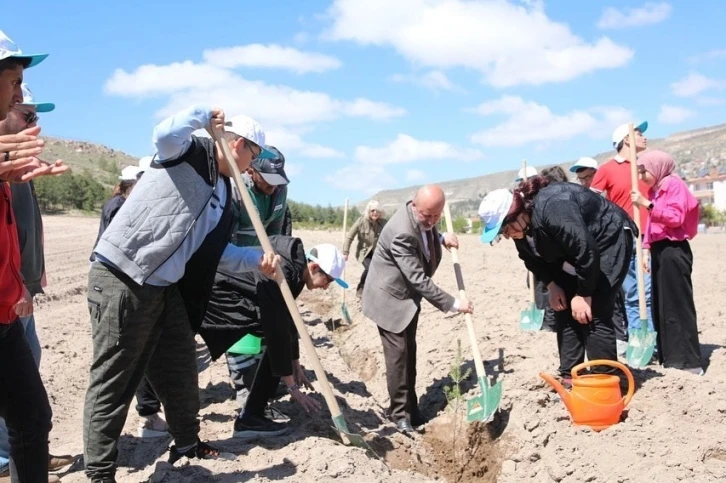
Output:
[[406, 257], [150, 283]]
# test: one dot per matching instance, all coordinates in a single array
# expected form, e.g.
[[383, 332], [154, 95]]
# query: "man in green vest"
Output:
[[266, 183]]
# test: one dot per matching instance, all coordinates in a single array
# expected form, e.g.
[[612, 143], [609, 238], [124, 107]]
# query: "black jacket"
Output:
[[251, 303], [576, 225], [109, 210]]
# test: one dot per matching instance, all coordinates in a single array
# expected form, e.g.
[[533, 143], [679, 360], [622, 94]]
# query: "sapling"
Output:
[[454, 397]]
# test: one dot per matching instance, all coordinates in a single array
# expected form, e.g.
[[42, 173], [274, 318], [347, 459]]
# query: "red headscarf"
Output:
[[658, 163]]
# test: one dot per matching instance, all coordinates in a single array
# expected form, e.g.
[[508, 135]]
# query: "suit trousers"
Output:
[[399, 351]]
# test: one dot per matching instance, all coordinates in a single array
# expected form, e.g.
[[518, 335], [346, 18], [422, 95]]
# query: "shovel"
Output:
[[343, 306], [641, 343], [479, 408], [338, 420], [531, 318]]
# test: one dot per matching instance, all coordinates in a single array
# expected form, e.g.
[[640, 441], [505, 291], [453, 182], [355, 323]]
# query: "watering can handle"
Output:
[[606, 362]]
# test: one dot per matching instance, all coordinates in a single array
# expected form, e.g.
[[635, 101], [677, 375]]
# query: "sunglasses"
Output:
[[30, 117]]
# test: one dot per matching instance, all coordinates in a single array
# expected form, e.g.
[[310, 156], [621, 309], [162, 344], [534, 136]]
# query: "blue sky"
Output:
[[365, 95]]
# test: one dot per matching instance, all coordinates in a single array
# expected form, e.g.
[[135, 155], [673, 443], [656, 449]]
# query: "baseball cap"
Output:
[[621, 132], [531, 171], [29, 101], [9, 50], [330, 260], [583, 163], [251, 130], [492, 211], [272, 170], [129, 173]]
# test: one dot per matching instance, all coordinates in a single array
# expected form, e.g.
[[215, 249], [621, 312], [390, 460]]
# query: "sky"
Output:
[[367, 95]]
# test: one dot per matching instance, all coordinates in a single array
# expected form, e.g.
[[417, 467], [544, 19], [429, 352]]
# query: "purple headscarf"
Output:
[[658, 163]]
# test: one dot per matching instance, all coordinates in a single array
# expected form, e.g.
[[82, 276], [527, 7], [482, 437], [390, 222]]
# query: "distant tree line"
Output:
[[305, 215], [70, 191]]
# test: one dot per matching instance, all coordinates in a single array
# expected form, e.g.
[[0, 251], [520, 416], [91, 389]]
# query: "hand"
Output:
[[35, 169], [557, 298], [639, 199], [19, 148], [466, 306], [450, 241], [216, 122], [268, 264], [309, 404], [582, 309], [24, 306], [298, 374], [646, 261]]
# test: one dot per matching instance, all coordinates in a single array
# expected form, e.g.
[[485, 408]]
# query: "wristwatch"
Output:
[[650, 206]]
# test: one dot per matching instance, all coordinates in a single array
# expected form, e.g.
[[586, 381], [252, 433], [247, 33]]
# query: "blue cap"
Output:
[[492, 212], [9, 50], [29, 101]]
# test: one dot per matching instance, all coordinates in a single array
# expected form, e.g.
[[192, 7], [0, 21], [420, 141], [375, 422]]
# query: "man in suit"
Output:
[[406, 256]]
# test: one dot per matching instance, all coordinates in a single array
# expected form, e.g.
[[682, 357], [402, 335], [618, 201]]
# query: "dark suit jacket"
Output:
[[400, 274]]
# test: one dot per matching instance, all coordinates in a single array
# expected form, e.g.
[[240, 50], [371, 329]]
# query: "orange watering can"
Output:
[[595, 399]]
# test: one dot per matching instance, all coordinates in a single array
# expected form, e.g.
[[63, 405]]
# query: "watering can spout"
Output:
[[564, 393]]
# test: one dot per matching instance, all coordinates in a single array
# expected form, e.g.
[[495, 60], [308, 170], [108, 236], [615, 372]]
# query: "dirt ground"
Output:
[[673, 429]]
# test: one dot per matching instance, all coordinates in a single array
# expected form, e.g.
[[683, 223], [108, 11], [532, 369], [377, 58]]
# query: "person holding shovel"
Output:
[[406, 257], [150, 284], [250, 303], [673, 221], [581, 247], [367, 228]]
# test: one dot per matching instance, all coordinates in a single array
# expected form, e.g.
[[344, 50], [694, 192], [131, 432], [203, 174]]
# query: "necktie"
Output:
[[432, 251]]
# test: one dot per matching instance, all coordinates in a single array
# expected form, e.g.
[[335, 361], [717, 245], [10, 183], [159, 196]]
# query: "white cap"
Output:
[[330, 260], [251, 130], [8, 50], [29, 101], [531, 171], [492, 211], [583, 163], [129, 173], [622, 131], [145, 163]]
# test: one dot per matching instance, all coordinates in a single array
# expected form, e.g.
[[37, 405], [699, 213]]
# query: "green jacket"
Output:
[[272, 214], [367, 233]]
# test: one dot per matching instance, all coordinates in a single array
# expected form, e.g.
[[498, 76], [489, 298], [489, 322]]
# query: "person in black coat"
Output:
[[579, 244], [251, 303]]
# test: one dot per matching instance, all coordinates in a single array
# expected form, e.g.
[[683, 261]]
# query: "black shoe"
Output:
[[274, 414], [202, 451], [404, 426], [418, 419], [249, 426]]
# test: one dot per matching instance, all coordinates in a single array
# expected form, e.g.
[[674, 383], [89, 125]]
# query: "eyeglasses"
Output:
[[30, 117], [251, 146], [375, 211]]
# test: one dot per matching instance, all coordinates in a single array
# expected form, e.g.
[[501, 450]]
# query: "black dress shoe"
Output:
[[404, 426], [418, 419]]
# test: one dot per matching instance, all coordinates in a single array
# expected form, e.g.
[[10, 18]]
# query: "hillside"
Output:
[[104, 163], [698, 153]]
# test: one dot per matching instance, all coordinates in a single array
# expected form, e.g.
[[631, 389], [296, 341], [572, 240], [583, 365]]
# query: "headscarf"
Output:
[[658, 163]]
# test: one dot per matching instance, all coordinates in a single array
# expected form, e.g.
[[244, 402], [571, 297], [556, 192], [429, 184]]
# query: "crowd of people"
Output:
[[177, 256]]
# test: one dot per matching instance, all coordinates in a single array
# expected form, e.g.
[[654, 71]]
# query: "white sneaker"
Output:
[[153, 426], [622, 348]]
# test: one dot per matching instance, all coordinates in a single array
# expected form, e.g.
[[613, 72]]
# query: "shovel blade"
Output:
[[531, 318], [482, 408], [346, 314], [641, 346], [351, 438]]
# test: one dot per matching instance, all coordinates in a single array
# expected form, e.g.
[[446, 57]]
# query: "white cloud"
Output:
[[435, 80], [270, 56], [650, 13], [364, 178], [695, 84], [508, 43], [415, 175], [406, 149], [674, 114], [716, 54], [529, 122], [285, 112]]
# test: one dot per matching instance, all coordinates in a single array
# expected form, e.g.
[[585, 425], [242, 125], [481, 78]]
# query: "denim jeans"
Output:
[[32, 338], [630, 287], [24, 405]]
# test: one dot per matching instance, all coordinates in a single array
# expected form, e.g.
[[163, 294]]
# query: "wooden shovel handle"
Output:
[[636, 217], [478, 365], [282, 282], [345, 233]]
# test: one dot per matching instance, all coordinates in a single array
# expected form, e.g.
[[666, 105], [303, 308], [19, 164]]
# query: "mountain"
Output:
[[697, 153], [104, 163]]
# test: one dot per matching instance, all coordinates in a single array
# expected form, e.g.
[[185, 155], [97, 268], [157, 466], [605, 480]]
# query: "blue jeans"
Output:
[[630, 287], [32, 337]]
